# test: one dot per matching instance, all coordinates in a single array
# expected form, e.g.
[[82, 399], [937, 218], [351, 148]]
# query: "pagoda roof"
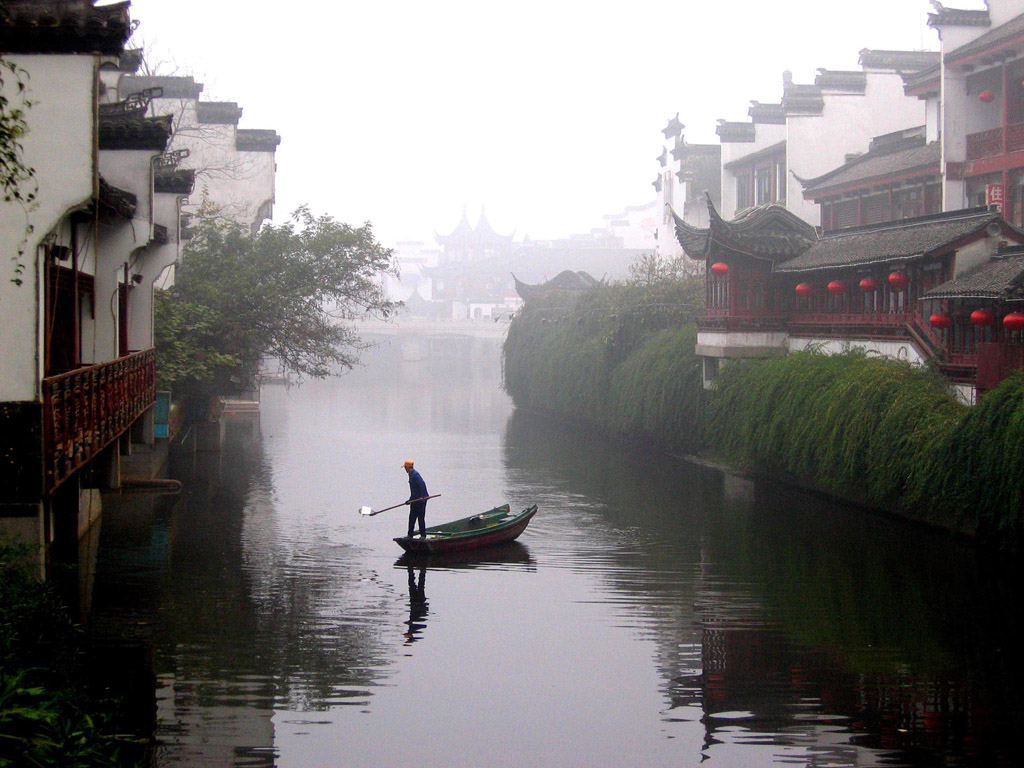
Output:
[[910, 156], [565, 281], [69, 27], [896, 241], [465, 233], [999, 278], [769, 232], [992, 43]]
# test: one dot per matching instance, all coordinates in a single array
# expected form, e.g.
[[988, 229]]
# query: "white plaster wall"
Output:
[[818, 144], [1001, 11], [739, 340], [150, 264], [955, 106], [892, 349], [59, 145], [765, 135]]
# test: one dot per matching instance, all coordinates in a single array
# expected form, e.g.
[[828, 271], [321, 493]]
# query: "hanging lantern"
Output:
[[986, 96], [1014, 321], [939, 320], [982, 317], [804, 289], [836, 286], [868, 284], [719, 267], [899, 280]]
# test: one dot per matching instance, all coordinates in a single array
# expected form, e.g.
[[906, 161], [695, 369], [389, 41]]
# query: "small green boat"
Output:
[[495, 526]]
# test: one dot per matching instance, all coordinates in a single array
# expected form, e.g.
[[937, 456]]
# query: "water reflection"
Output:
[[652, 607]]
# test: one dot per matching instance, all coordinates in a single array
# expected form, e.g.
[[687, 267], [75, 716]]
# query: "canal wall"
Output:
[[884, 434]]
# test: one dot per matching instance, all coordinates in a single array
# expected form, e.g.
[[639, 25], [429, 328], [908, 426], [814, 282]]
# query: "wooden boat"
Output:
[[495, 526]]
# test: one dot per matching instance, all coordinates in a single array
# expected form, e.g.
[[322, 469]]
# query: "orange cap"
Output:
[[408, 464]]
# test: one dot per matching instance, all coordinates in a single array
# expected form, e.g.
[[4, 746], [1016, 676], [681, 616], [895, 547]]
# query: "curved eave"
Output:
[[694, 240]]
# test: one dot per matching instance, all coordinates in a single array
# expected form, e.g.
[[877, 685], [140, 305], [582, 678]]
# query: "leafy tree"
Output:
[[286, 292]]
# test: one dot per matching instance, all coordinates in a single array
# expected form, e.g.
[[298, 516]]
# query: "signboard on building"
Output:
[[994, 196]]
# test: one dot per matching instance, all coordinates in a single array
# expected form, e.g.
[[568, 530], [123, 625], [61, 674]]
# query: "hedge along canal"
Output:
[[875, 431]]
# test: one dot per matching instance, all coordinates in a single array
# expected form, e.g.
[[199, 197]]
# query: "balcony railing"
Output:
[[990, 143], [87, 408]]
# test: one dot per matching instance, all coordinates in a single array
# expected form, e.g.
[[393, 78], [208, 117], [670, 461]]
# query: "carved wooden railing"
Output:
[[985, 144], [87, 408]]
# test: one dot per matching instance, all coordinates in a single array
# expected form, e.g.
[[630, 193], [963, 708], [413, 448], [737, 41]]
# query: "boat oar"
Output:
[[371, 511]]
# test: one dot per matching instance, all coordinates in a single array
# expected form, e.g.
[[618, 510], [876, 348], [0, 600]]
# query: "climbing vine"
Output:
[[17, 178]]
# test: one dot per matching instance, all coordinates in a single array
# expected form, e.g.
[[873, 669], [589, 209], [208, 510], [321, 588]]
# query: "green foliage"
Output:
[[48, 714], [16, 177], [286, 292], [619, 358], [978, 466]]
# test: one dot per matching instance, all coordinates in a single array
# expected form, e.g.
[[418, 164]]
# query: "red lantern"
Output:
[[986, 96], [899, 280], [868, 284], [1014, 321], [982, 317], [836, 286], [719, 267], [939, 320], [804, 289]]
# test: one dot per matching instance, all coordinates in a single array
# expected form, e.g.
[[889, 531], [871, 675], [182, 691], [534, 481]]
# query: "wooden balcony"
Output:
[[995, 142], [84, 410]]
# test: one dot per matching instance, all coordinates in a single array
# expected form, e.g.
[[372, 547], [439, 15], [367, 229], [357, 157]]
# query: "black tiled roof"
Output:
[[72, 26], [766, 232], [1002, 277], [114, 201], [151, 133], [899, 61], [734, 132], [256, 140], [957, 17], [771, 114], [218, 112], [176, 181], [171, 86], [907, 157], [674, 127], [694, 240], [1012, 29], [893, 241]]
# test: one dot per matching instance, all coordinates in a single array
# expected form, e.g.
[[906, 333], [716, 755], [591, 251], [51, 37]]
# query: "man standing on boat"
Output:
[[417, 500]]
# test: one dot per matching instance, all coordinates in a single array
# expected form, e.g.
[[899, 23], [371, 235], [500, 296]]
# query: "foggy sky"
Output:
[[548, 113]]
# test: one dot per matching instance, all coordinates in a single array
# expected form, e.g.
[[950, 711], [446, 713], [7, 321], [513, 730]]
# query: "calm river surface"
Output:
[[653, 614]]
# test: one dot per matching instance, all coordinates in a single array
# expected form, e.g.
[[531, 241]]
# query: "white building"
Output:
[[77, 384], [813, 129]]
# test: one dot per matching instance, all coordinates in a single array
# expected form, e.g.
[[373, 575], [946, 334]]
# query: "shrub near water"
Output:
[[619, 358]]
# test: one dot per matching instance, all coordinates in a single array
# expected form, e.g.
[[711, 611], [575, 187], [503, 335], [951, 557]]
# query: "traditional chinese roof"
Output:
[[482, 234], [134, 132], [841, 80], [898, 61], [999, 278], [564, 281], [993, 43], [957, 17], [895, 241], [923, 83], [113, 202], [902, 158], [71, 26], [674, 128], [256, 140], [175, 181], [171, 87], [735, 132], [779, 148], [768, 232], [800, 98], [218, 112], [771, 114]]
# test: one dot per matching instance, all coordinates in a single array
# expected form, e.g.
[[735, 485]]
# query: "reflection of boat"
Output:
[[495, 526], [510, 555]]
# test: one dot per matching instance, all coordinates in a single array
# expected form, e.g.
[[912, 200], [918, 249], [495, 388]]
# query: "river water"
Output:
[[653, 614]]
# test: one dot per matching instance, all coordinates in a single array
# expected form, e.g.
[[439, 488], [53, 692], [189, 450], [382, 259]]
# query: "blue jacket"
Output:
[[417, 488]]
